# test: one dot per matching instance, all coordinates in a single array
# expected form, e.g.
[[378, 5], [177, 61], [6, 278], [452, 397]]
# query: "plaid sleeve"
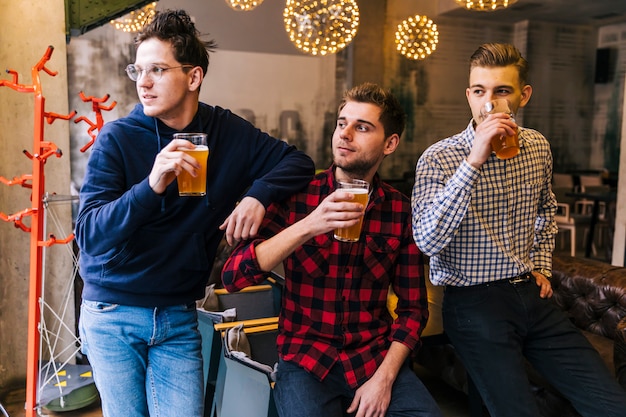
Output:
[[545, 225], [409, 285], [440, 199], [242, 267]]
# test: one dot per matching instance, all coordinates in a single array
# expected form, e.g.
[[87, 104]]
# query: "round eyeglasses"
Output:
[[154, 72]]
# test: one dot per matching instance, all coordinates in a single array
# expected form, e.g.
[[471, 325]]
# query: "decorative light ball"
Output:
[[135, 20], [321, 26], [417, 37], [485, 5], [243, 5]]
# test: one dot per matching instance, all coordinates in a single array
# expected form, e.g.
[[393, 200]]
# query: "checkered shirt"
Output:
[[334, 306], [481, 225]]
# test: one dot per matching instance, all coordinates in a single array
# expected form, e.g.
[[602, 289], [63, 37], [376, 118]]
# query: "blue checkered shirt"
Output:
[[482, 225]]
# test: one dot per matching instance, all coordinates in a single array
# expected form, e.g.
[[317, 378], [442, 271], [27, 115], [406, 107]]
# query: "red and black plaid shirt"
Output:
[[334, 305]]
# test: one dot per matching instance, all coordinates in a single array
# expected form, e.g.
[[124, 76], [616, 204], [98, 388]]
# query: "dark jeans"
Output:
[[300, 394], [494, 327]]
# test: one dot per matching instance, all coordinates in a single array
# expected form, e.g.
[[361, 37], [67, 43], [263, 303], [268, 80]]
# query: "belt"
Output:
[[520, 279]]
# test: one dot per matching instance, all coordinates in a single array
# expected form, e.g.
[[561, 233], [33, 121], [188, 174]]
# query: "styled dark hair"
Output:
[[176, 27], [500, 55], [392, 115]]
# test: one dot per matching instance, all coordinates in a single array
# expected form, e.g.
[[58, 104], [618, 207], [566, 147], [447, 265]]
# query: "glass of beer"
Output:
[[360, 189], [505, 146], [188, 185]]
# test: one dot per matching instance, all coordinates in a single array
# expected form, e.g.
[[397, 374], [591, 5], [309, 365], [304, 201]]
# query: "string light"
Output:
[[485, 5], [321, 26], [243, 5], [417, 37], [135, 20]]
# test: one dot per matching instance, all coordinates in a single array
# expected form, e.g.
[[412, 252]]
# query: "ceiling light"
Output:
[[243, 5], [135, 20], [417, 37], [485, 5], [321, 26]]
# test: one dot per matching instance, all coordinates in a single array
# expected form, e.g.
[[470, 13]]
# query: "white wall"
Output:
[[270, 84]]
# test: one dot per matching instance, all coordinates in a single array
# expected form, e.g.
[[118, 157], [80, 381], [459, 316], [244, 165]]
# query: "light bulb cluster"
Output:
[[417, 37], [135, 20], [243, 5], [485, 5], [321, 26]]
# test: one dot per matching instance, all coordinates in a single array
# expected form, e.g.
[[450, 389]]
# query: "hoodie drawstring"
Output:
[[156, 129]]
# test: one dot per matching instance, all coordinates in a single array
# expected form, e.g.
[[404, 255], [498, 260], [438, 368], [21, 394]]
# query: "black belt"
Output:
[[520, 279]]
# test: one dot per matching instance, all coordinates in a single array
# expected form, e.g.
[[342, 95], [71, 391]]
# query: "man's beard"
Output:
[[356, 169]]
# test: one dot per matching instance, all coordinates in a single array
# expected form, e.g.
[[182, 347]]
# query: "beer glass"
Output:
[[505, 146], [188, 185], [360, 189]]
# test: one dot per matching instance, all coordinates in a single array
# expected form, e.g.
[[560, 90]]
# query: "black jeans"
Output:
[[493, 327]]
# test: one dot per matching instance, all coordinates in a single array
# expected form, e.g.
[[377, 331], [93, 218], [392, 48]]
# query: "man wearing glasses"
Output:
[[145, 252]]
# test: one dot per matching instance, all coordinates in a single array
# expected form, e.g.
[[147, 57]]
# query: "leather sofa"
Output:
[[592, 293]]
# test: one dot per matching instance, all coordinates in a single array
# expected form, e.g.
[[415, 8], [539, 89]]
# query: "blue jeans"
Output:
[[146, 361], [495, 327], [297, 393]]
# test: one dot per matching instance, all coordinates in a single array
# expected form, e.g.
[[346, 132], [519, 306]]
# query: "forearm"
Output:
[[273, 251], [251, 260], [105, 221], [374, 396], [439, 204], [390, 366], [545, 225], [290, 171]]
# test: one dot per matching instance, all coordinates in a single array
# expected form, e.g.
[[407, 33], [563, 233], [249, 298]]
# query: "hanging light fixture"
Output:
[[321, 26], [485, 5], [417, 37], [135, 20], [243, 5]]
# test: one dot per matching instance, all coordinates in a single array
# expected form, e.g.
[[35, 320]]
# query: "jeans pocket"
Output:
[[98, 306]]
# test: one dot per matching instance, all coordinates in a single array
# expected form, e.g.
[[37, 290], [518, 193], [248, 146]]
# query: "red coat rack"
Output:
[[42, 150]]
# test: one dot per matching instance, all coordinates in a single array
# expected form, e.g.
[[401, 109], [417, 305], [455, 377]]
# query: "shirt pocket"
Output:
[[313, 257], [532, 190], [528, 204], [379, 257]]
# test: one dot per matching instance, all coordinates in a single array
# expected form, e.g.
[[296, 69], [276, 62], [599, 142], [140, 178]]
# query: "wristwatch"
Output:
[[545, 272]]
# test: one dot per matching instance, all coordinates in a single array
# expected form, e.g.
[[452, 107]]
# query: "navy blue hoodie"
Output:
[[140, 248]]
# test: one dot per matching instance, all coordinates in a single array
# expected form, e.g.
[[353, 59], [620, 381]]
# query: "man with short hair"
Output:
[[488, 226], [145, 252], [340, 350]]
